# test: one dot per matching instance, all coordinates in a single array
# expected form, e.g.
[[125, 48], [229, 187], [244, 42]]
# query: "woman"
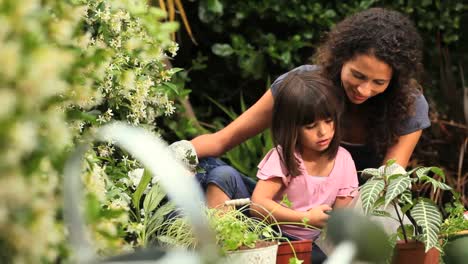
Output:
[[373, 59]]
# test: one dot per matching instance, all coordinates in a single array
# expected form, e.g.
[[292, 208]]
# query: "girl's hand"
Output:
[[317, 215]]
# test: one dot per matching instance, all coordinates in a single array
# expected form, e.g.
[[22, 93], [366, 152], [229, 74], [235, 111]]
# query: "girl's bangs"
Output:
[[319, 109]]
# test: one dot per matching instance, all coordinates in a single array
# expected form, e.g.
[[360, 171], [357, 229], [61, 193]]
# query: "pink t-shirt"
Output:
[[308, 191]]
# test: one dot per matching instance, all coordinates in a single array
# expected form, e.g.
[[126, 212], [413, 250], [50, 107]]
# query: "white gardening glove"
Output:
[[184, 151]]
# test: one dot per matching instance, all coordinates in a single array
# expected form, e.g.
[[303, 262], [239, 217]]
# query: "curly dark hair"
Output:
[[392, 38]]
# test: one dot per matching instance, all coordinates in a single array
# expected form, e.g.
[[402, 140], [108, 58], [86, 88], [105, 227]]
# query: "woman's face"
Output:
[[365, 76]]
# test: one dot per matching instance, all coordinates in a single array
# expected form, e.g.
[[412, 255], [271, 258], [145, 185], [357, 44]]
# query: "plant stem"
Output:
[[401, 222]]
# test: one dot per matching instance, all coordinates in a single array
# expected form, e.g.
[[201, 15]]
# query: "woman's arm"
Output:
[[263, 195], [403, 149], [253, 121]]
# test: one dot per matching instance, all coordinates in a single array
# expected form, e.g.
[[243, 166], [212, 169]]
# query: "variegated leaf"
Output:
[[384, 213], [397, 187], [406, 197], [437, 184], [369, 173], [421, 172], [370, 192], [394, 168], [427, 216]]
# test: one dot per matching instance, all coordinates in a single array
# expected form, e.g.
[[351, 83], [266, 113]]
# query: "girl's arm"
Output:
[[403, 149], [263, 195], [253, 121]]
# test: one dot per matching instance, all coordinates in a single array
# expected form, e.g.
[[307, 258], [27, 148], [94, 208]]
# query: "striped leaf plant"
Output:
[[391, 185]]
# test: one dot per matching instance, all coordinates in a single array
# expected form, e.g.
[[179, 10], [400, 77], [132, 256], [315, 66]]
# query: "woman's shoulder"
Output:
[[419, 119], [300, 69]]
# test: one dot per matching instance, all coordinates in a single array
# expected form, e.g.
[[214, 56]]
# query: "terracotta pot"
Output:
[[303, 250], [413, 253]]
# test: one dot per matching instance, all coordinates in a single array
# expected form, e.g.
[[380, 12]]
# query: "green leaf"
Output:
[[175, 69], [438, 171], [370, 192], [214, 6], [285, 201], [145, 180], [228, 112], [153, 198], [427, 216], [222, 50], [158, 216], [295, 261], [397, 187], [409, 231], [390, 162], [406, 207], [172, 87]]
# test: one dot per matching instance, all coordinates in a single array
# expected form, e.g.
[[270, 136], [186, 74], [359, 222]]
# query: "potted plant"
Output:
[[391, 185], [240, 237], [300, 250], [455, 224]]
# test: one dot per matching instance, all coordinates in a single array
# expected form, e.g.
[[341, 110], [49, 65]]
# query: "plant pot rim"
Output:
[[411, 244], [263, 246], [297, 242]]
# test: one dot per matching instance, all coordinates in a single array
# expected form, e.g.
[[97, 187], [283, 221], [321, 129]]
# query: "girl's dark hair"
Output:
[[303, 98], [392, 38]]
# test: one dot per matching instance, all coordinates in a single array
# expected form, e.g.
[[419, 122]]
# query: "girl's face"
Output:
[[318, 135], [365, 76]]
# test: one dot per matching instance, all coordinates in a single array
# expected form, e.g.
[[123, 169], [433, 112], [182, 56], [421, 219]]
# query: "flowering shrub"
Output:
[[134, 83], [68, 66]]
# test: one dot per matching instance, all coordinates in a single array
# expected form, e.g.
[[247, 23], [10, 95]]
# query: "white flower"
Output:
[[135, 176], [10, 54], [7, 101], [136, 228], [119, 204]]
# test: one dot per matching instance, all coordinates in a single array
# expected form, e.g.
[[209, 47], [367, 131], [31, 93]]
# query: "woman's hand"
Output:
[[184, 151], [318, 216]]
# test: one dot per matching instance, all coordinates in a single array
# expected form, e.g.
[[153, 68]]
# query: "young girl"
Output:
[[307, 165]]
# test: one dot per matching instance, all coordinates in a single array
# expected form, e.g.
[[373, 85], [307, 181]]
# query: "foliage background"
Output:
[[244, 45], [74, 65]]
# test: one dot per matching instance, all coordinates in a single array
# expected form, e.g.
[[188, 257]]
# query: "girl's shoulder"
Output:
[[272, 165], [343, 154], [343, 161]]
